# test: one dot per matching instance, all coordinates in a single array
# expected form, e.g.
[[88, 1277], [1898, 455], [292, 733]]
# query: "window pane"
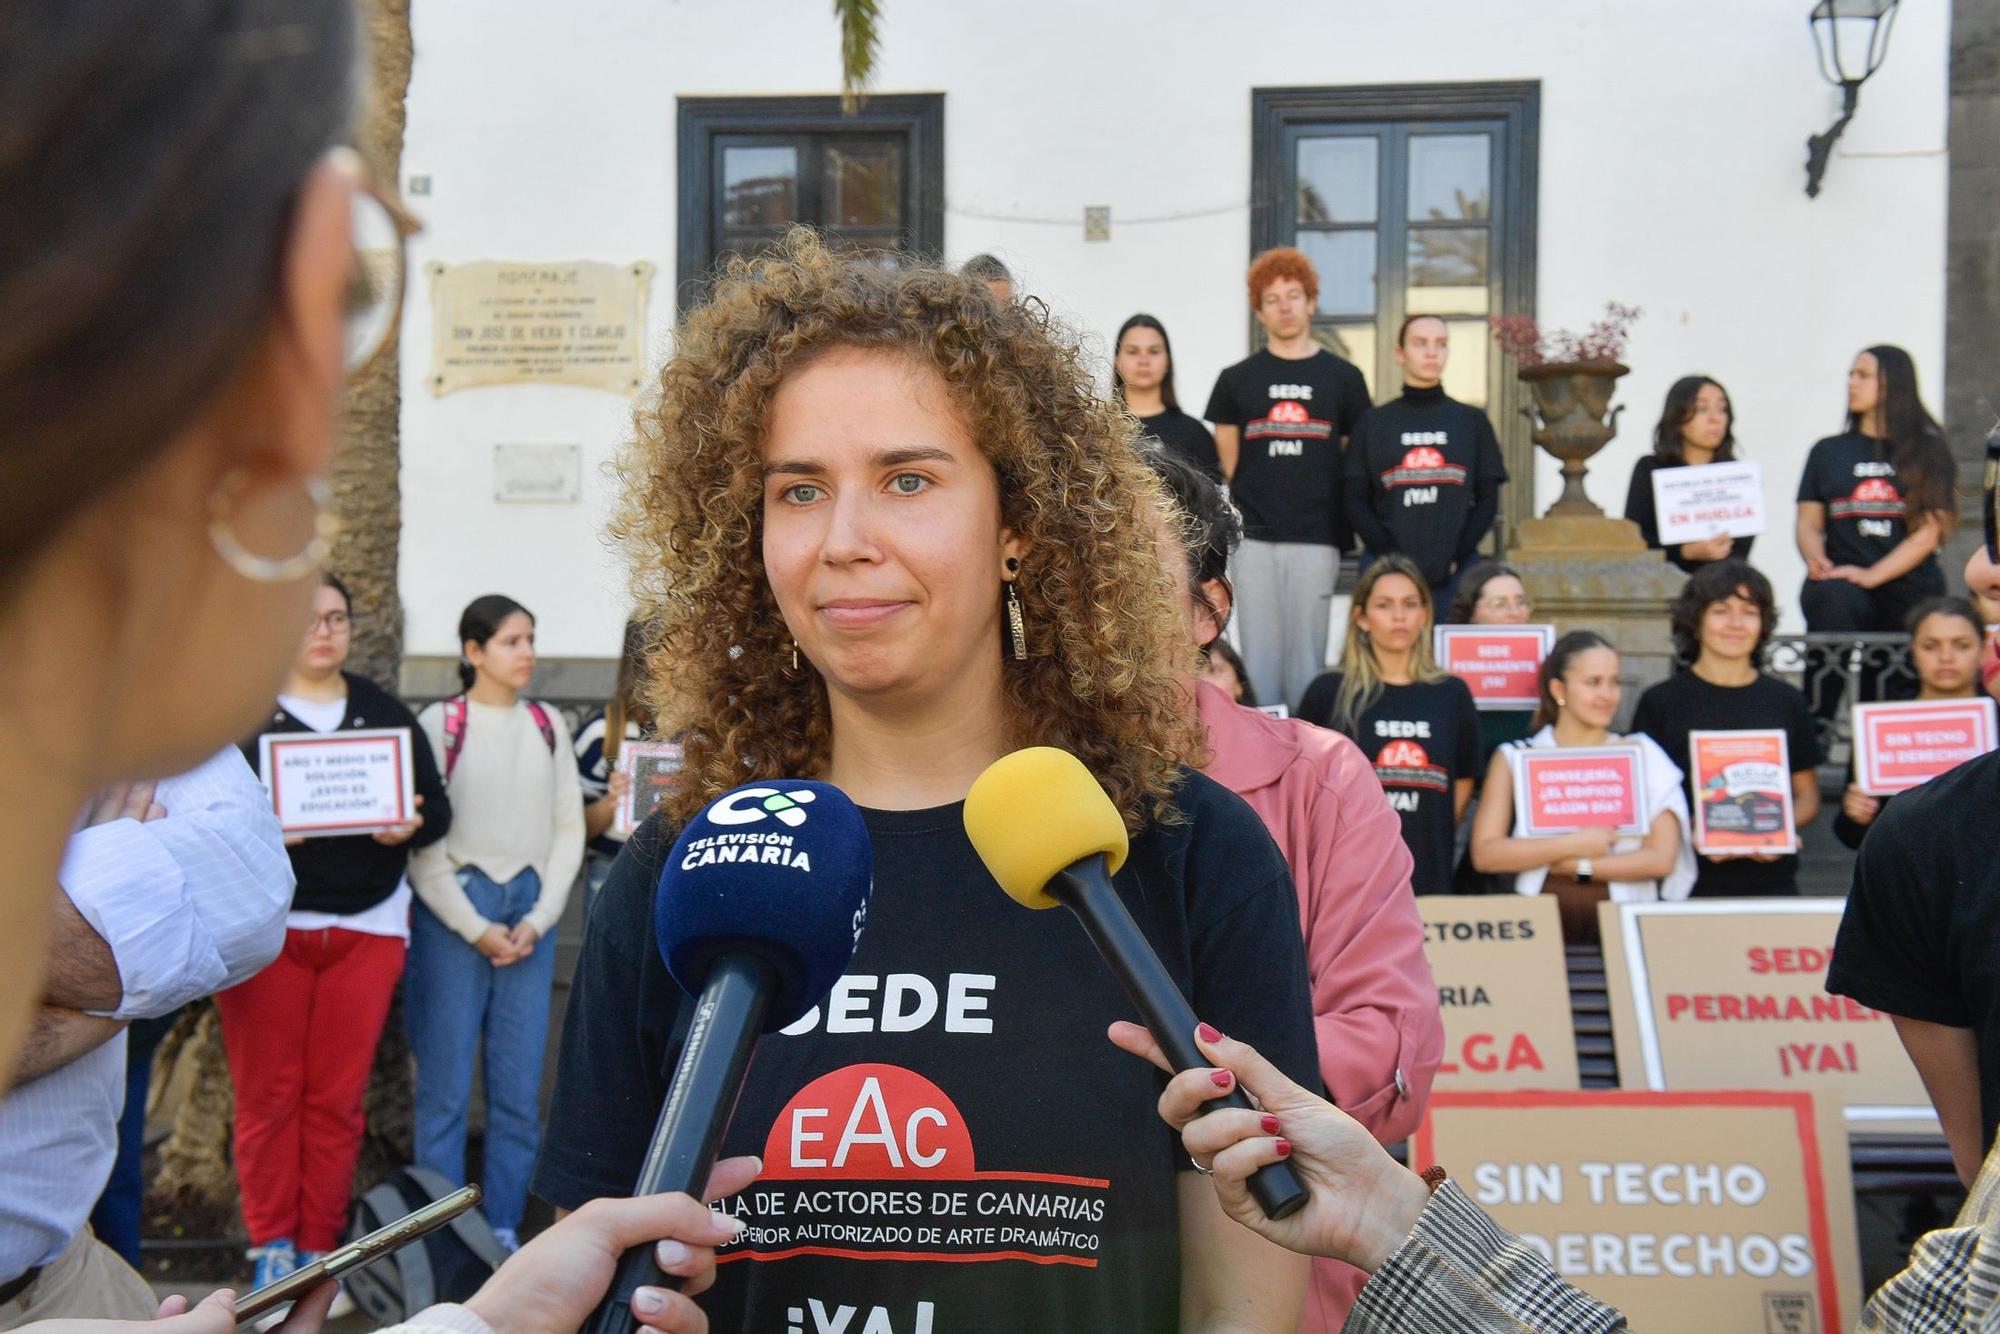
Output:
[[1346, 264], [864, 185], [760, 186], [1337, 179], [1356, 342], [1465, 370], [1449, 176], [1447, 271]]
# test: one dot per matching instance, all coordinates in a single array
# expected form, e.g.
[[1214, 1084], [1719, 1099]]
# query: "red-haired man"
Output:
[[1280, 416]]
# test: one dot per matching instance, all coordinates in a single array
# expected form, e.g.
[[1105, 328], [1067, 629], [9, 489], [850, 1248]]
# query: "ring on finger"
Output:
[[1205, 1171]]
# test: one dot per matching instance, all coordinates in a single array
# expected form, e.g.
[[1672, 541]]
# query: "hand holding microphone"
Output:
[[1050, 836], [761, 902]]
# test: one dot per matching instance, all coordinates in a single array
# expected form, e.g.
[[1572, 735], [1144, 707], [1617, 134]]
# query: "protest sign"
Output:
[[651, 766], [1731, 993], [325, 783], [1726, 1211], [1709, 500], [1742, 792], [1503, 991], [1900, 745], [1498, 663], [1562, 789]]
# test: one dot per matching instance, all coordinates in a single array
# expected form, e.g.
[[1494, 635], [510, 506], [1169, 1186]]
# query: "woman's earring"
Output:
[[263, 569], [1016, 627]]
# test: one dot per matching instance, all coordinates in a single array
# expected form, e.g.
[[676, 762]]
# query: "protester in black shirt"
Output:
[[1488, 593], [1945, 647], [878, 492], [1280, 417], [1722, 622], [1423, 471], [1875, 504], [1696, 427], [1142, 378], [1416, 725]]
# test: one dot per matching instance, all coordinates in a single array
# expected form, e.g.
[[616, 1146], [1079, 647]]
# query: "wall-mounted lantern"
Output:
[[1851, 37]]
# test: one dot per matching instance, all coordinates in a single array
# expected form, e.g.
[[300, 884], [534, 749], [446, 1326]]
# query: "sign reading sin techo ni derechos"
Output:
[[1503, 991], [1727, 1211], [1709, 500], [355, 782], [1498, 663], [1559, 790], [1731, 993], [1901, 745]]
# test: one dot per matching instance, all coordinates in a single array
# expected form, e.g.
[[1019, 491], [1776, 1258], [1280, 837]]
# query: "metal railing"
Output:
[[1840, 668]]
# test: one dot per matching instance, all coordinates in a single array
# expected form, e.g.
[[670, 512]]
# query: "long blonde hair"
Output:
[[1105, 636], [1360, 674]]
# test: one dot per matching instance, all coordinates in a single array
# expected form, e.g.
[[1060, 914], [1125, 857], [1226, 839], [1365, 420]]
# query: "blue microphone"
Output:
[[761, 903]]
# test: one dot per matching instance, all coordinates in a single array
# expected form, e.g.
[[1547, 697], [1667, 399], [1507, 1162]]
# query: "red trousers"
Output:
[[301, 1038]]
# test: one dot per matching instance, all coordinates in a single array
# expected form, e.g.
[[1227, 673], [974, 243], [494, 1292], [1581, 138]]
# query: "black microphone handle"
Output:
[[728, 1019], [1085, 889]]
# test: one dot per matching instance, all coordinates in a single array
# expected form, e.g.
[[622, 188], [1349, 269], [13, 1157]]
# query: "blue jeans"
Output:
[[454, 998]]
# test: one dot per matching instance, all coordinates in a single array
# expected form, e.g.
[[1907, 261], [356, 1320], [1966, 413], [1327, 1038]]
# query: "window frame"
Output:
[[1512, 111], [704, 121]]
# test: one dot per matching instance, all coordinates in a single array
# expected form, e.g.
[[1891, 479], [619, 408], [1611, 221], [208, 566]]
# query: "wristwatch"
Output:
[[1583, 870]]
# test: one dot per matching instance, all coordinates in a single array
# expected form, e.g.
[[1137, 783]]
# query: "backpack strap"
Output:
[[454, 733], [541, 717]]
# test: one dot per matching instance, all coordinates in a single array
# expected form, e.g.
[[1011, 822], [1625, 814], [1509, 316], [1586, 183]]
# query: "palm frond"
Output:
[[860, 41]]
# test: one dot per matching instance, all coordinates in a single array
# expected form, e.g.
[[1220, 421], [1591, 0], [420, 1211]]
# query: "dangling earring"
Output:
[[263, 569], [795, 657], [1016, 627]]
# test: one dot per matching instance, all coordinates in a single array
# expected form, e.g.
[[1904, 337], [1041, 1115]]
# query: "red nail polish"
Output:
[[1270, 1124], [1207, 1033], [1220, 1078], [1284, 1148]]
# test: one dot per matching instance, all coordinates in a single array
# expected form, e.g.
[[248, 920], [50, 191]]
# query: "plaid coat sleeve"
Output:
[[1952, 1282]]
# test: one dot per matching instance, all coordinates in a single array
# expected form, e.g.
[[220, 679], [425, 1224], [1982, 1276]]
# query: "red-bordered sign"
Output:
[[1567, 788], [355, 782], [1898, 746], [1742, 792], [1498, 663]]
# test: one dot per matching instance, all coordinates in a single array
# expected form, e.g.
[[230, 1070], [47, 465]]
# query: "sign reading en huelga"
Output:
[[1503, 991], [1726, 1211], [324, 783], [1709, 500], [1731, 993]]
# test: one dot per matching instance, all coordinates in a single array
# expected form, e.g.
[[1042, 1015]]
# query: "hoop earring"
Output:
[[1016, 627], [264, 569]]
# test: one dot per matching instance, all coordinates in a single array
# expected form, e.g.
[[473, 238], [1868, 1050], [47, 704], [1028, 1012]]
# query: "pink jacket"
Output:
[[1375, 1004]]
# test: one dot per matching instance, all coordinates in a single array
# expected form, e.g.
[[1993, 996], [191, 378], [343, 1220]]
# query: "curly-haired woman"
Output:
[[887, 531]]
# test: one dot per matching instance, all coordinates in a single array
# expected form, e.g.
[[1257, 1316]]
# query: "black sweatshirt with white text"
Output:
[[1423, 475]]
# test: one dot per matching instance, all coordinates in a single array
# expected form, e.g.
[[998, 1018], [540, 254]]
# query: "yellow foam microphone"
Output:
[[1049, 834]]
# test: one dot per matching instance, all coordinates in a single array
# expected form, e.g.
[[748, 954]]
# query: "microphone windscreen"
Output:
[[780, 870], [1035, 812]]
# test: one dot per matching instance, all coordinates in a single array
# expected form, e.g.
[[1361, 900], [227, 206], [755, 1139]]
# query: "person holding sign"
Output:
[[1437, 1262], [1422, 474], [301, 1035], [489, 895], [1875, 504], [1416, 725], [1722, 622], [1697, 426], [1580, 694], [1945, 637]]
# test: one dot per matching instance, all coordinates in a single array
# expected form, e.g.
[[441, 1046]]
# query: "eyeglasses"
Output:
[[333, 622], [382, 229]]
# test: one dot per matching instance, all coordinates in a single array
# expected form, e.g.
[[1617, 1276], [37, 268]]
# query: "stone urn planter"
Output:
[[1572, 419]]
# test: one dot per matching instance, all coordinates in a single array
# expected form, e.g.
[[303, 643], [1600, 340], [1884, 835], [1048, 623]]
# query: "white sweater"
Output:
[[514, 805]]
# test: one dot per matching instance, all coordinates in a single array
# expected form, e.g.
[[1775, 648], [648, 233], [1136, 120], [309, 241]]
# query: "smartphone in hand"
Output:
[[345, 1259]]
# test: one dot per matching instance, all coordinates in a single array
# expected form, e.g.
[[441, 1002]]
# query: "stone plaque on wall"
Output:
[[548, 474], [506, 322]]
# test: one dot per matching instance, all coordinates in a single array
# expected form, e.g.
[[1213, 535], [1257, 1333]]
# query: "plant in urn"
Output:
[[1571, 377]]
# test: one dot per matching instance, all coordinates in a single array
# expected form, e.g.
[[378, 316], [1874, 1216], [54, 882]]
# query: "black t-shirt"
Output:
[[1185, 436], [1293, 416], [1922, 926], [1851, 475], [965, 1151], [1423, 475], [1640, 509], [1421, 739], [1685, 703]]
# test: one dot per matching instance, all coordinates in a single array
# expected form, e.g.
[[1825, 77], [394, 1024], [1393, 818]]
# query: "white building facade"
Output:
[[1460, 156]]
